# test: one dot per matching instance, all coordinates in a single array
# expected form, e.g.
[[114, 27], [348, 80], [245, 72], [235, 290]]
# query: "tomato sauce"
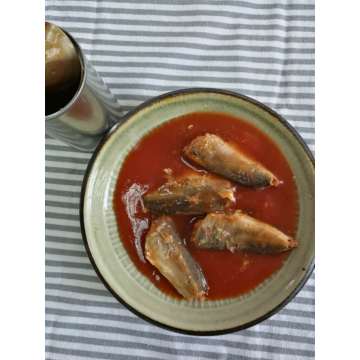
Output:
[[228, 274]]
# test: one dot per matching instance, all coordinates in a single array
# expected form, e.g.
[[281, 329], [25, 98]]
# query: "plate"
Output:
[[110, 259]]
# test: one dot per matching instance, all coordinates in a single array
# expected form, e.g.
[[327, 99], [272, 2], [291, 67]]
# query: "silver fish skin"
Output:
[[239, 231], [165, 250], [191, 194], [220, 157]]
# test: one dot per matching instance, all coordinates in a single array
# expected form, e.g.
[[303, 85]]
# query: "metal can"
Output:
[[90, 112]]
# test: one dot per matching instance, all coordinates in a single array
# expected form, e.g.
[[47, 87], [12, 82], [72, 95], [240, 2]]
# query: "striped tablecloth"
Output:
[[142, 48]]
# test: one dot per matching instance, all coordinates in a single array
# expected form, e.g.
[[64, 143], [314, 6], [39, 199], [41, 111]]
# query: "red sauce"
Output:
[[227, 274]]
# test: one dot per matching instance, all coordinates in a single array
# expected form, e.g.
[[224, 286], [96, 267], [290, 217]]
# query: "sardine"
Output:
[[238, 231], [165, 250], [191, 194], [222, 158]]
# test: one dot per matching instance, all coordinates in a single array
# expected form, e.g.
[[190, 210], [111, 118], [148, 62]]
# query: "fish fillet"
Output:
[[238, 231], [192, 195], [165, 250], [222, 158]]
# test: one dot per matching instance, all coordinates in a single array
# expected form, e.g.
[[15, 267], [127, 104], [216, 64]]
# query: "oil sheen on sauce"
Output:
[[228, 274]]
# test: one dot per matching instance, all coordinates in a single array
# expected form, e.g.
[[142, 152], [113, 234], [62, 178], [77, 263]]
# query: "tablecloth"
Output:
[[142, 48]]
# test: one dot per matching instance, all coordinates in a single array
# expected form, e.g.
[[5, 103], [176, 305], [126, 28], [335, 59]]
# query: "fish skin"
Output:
[[132, 200], [191, 194], [214, 154], [239, 231], [166, 251]]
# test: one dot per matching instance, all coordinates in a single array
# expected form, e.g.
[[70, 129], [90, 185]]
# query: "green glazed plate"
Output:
[[110, 259]]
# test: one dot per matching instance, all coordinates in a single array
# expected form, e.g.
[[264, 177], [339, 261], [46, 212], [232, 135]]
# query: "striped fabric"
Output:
[[142, 48]]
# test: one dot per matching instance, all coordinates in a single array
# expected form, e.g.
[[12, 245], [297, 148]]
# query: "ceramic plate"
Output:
[[110, 259]]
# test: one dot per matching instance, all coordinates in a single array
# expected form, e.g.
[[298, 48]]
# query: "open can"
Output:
[[88, 113]]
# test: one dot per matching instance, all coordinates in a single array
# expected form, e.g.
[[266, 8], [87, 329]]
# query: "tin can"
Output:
[[89, 113]]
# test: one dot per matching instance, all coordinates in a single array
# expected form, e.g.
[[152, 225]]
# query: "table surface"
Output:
[[142, 48]]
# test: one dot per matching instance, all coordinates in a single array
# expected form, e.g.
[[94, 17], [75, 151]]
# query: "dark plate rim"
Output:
[[92, 160]]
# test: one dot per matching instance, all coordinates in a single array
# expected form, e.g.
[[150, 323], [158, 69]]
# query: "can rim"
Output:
[[80, 53]]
